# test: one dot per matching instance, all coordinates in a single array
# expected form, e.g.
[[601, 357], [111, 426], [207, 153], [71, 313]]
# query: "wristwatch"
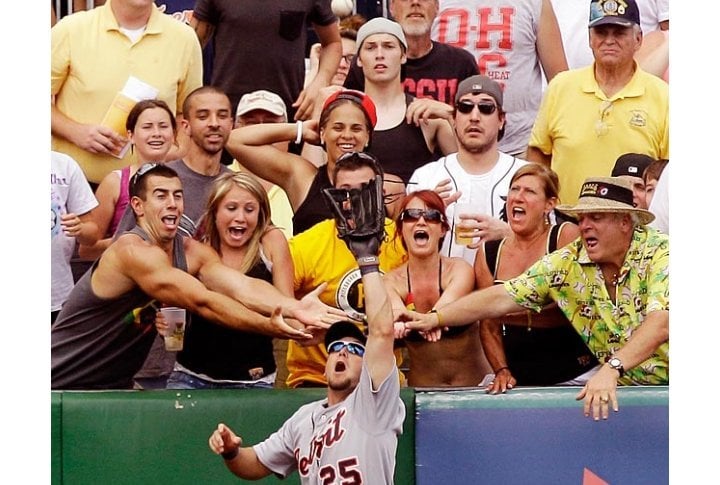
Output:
[[616, 364]]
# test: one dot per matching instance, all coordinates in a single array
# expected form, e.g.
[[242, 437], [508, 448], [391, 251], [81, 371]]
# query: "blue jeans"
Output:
[[182, 380]]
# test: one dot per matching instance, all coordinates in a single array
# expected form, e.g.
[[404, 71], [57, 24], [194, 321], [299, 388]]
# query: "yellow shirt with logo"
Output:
[[320, 256]]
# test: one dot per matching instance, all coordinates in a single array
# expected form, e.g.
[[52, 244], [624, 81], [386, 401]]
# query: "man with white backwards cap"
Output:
[[611, 283]]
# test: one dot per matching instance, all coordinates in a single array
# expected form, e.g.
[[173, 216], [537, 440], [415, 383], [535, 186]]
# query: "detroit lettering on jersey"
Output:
[[330, 434]]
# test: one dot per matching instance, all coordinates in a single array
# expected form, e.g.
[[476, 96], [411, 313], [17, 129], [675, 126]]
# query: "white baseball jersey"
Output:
[[352, 442]]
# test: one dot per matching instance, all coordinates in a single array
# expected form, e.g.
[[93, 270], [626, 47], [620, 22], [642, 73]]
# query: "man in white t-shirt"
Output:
[[479, 173], [71, 201]]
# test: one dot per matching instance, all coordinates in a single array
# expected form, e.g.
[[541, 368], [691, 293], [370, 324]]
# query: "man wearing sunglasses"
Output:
[[350, 436], [478, 174], [592, 115], [106, 328]]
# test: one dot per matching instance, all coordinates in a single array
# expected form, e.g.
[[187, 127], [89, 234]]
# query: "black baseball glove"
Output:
[[360, 217]]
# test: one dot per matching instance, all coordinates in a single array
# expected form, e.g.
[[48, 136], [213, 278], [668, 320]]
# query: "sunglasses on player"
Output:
[[485, 107], [430, 215], [354, 348]]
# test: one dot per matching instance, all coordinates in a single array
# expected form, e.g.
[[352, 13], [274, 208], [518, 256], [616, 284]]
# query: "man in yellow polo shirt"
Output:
[[319, 256], [592, 115], [94, 53]]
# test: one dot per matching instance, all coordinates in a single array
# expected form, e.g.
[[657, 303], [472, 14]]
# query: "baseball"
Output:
[[342, 8]]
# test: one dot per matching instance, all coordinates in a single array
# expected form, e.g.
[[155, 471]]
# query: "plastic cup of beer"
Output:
[[175, 334], [461, 237]]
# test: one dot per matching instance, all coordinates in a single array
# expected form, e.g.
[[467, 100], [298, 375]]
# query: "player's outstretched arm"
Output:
[[243, 462]]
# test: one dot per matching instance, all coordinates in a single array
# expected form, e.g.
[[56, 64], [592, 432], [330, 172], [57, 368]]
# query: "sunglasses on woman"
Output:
[[354, 348], [430, 215], [485, 107]]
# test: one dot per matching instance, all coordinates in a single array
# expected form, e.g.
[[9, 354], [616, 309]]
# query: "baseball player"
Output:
[[351, 436]]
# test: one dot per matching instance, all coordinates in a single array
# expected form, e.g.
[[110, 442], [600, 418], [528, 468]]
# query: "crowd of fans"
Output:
[[521, 181]]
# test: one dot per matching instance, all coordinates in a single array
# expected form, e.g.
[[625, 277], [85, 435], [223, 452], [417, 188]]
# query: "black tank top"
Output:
[[402, 149], [226, 354], [313, 209], [541, 356]]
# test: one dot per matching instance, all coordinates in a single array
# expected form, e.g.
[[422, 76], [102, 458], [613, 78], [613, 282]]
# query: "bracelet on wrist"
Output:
[[230, 455], [368, 261], [369, 268], [501, 368], [299, 135], [437, 314]]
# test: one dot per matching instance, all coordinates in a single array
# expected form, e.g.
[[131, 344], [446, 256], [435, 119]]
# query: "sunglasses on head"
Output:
[[485, 107], [430, 215], [145, 168], [354, 348]]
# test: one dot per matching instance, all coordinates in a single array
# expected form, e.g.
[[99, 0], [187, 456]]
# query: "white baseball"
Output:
[[342, 8]]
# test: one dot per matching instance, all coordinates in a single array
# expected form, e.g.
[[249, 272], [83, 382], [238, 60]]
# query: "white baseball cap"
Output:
[[264, 100]]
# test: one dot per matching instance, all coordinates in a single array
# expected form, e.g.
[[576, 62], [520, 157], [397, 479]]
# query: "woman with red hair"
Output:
[[427, 280]]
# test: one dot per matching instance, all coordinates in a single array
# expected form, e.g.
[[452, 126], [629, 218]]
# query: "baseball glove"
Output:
[[359, 216]]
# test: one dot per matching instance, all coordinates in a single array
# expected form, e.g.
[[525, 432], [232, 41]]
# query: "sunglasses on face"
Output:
[[430, 215], [354, 348], [485, 107]]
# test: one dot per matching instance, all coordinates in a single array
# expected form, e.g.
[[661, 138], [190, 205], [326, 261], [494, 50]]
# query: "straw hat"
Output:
[[607, 194]]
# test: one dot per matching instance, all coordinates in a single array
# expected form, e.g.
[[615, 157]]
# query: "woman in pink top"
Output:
[[151, 129]]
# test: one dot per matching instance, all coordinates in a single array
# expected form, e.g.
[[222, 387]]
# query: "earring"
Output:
[[547, 218]]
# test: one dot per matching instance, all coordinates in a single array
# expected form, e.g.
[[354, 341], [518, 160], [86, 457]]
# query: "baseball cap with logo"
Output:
[[632, 164], [618, 12], [607, 194], [264, 100], [480, 84]]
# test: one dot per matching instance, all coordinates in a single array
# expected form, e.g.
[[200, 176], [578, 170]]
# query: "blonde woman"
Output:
[[237, 225]]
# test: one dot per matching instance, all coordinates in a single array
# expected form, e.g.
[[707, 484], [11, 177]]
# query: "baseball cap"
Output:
[[380, 25], [480, 84], [342, 329], [264, 100], [357, 97], [632, 164], [606, 194], [618, 12]]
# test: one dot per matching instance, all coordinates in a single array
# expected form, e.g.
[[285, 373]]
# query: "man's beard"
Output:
[[343, 384], [416, 29]]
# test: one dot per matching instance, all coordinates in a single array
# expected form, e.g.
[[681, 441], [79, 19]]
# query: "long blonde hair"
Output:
[[207, 228]]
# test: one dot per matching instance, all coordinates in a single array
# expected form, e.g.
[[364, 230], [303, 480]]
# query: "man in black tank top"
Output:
[[104, 332]]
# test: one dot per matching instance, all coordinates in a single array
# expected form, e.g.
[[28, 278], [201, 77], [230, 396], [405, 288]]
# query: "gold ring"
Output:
[[604, 399]]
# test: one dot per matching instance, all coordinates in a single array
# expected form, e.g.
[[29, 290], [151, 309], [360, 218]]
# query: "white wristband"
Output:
[[299, 137]]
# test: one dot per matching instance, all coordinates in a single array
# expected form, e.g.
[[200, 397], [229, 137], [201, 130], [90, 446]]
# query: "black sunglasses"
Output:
[[485, 107], [430, 215]]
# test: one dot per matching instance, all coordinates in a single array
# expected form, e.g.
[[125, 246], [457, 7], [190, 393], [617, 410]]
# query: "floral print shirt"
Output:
[[569, 278]]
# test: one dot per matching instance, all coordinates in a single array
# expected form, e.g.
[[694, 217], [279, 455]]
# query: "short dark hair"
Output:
[[355, 160], [201, 90], [138, 182]]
